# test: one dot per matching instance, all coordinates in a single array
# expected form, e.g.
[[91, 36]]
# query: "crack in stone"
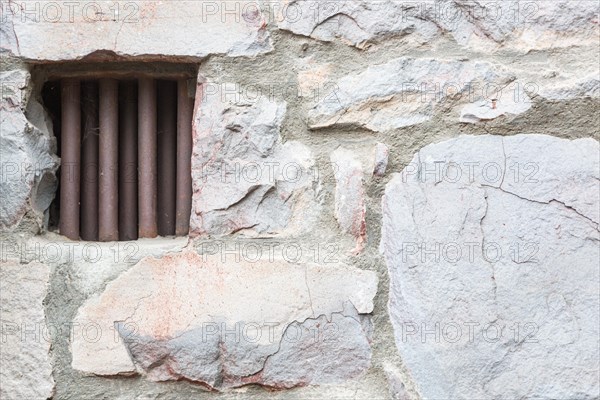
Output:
[[243, 379], [159, 362], [117, 35], [308, 289], [594, 223], [244, 197], [315, 318], [483, 257]]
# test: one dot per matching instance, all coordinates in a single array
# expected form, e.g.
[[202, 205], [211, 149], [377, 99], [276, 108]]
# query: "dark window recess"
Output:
[[125, 148]]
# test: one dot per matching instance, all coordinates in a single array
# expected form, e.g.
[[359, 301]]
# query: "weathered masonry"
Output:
[[350, 199]]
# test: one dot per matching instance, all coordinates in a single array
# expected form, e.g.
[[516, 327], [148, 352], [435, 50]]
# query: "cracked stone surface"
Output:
[[476, 25], [245, 178], [133, 29], [493, 262], [404, 92], [27, 180], [350, 207], [25, 365], [226, 324]]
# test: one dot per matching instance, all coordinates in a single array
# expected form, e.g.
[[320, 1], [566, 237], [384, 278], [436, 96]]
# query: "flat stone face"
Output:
[[403, 92], [492, 249], [349, 195], [27, 181], [225, 324], [477, 25], [26, 370], [244, 178], [143, 29], [505, 103]]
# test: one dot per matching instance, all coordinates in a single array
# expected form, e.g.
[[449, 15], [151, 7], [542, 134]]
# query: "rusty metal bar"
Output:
[[128, 210], [70, 158], [167, 152], [185, 109], [108, 211], [89, 161], [147, 157]]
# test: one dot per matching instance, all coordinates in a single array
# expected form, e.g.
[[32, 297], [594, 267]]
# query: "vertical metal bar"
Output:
[[108, 212], [167, 151], [185, 109], [147, 157], [70, 158], [128, 210], [89, 161]]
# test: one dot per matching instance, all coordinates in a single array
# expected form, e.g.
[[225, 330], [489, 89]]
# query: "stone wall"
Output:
[[390, 200]]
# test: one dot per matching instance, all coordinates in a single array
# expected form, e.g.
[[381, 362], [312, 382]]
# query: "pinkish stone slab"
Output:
[[226, 324]]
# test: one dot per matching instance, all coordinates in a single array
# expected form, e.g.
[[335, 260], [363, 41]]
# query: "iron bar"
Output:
[[147, 157], [167, 152], [108, 211], [185, 109], [89, 161], [70, 158], [128, 206]]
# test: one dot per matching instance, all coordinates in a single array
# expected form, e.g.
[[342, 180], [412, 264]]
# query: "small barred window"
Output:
[[125, 143]]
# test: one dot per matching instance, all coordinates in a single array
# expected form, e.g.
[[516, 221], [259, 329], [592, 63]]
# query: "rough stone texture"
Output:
[[397, 389], [93, 264], [245, 178], [534, 264], [25, 367], [477, 25], [403, 92], [506, 103], [350, 207], [149, 30], [27, 181], [223, 324], [573, 86], [312, 78], [547, 67], [382, 153]]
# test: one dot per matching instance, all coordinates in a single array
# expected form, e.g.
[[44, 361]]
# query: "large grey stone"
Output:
[[478, 25], [25, 365], [225, 324], [492, 248], [27, 180], [244, 178], [142, 29], [405, 92]]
